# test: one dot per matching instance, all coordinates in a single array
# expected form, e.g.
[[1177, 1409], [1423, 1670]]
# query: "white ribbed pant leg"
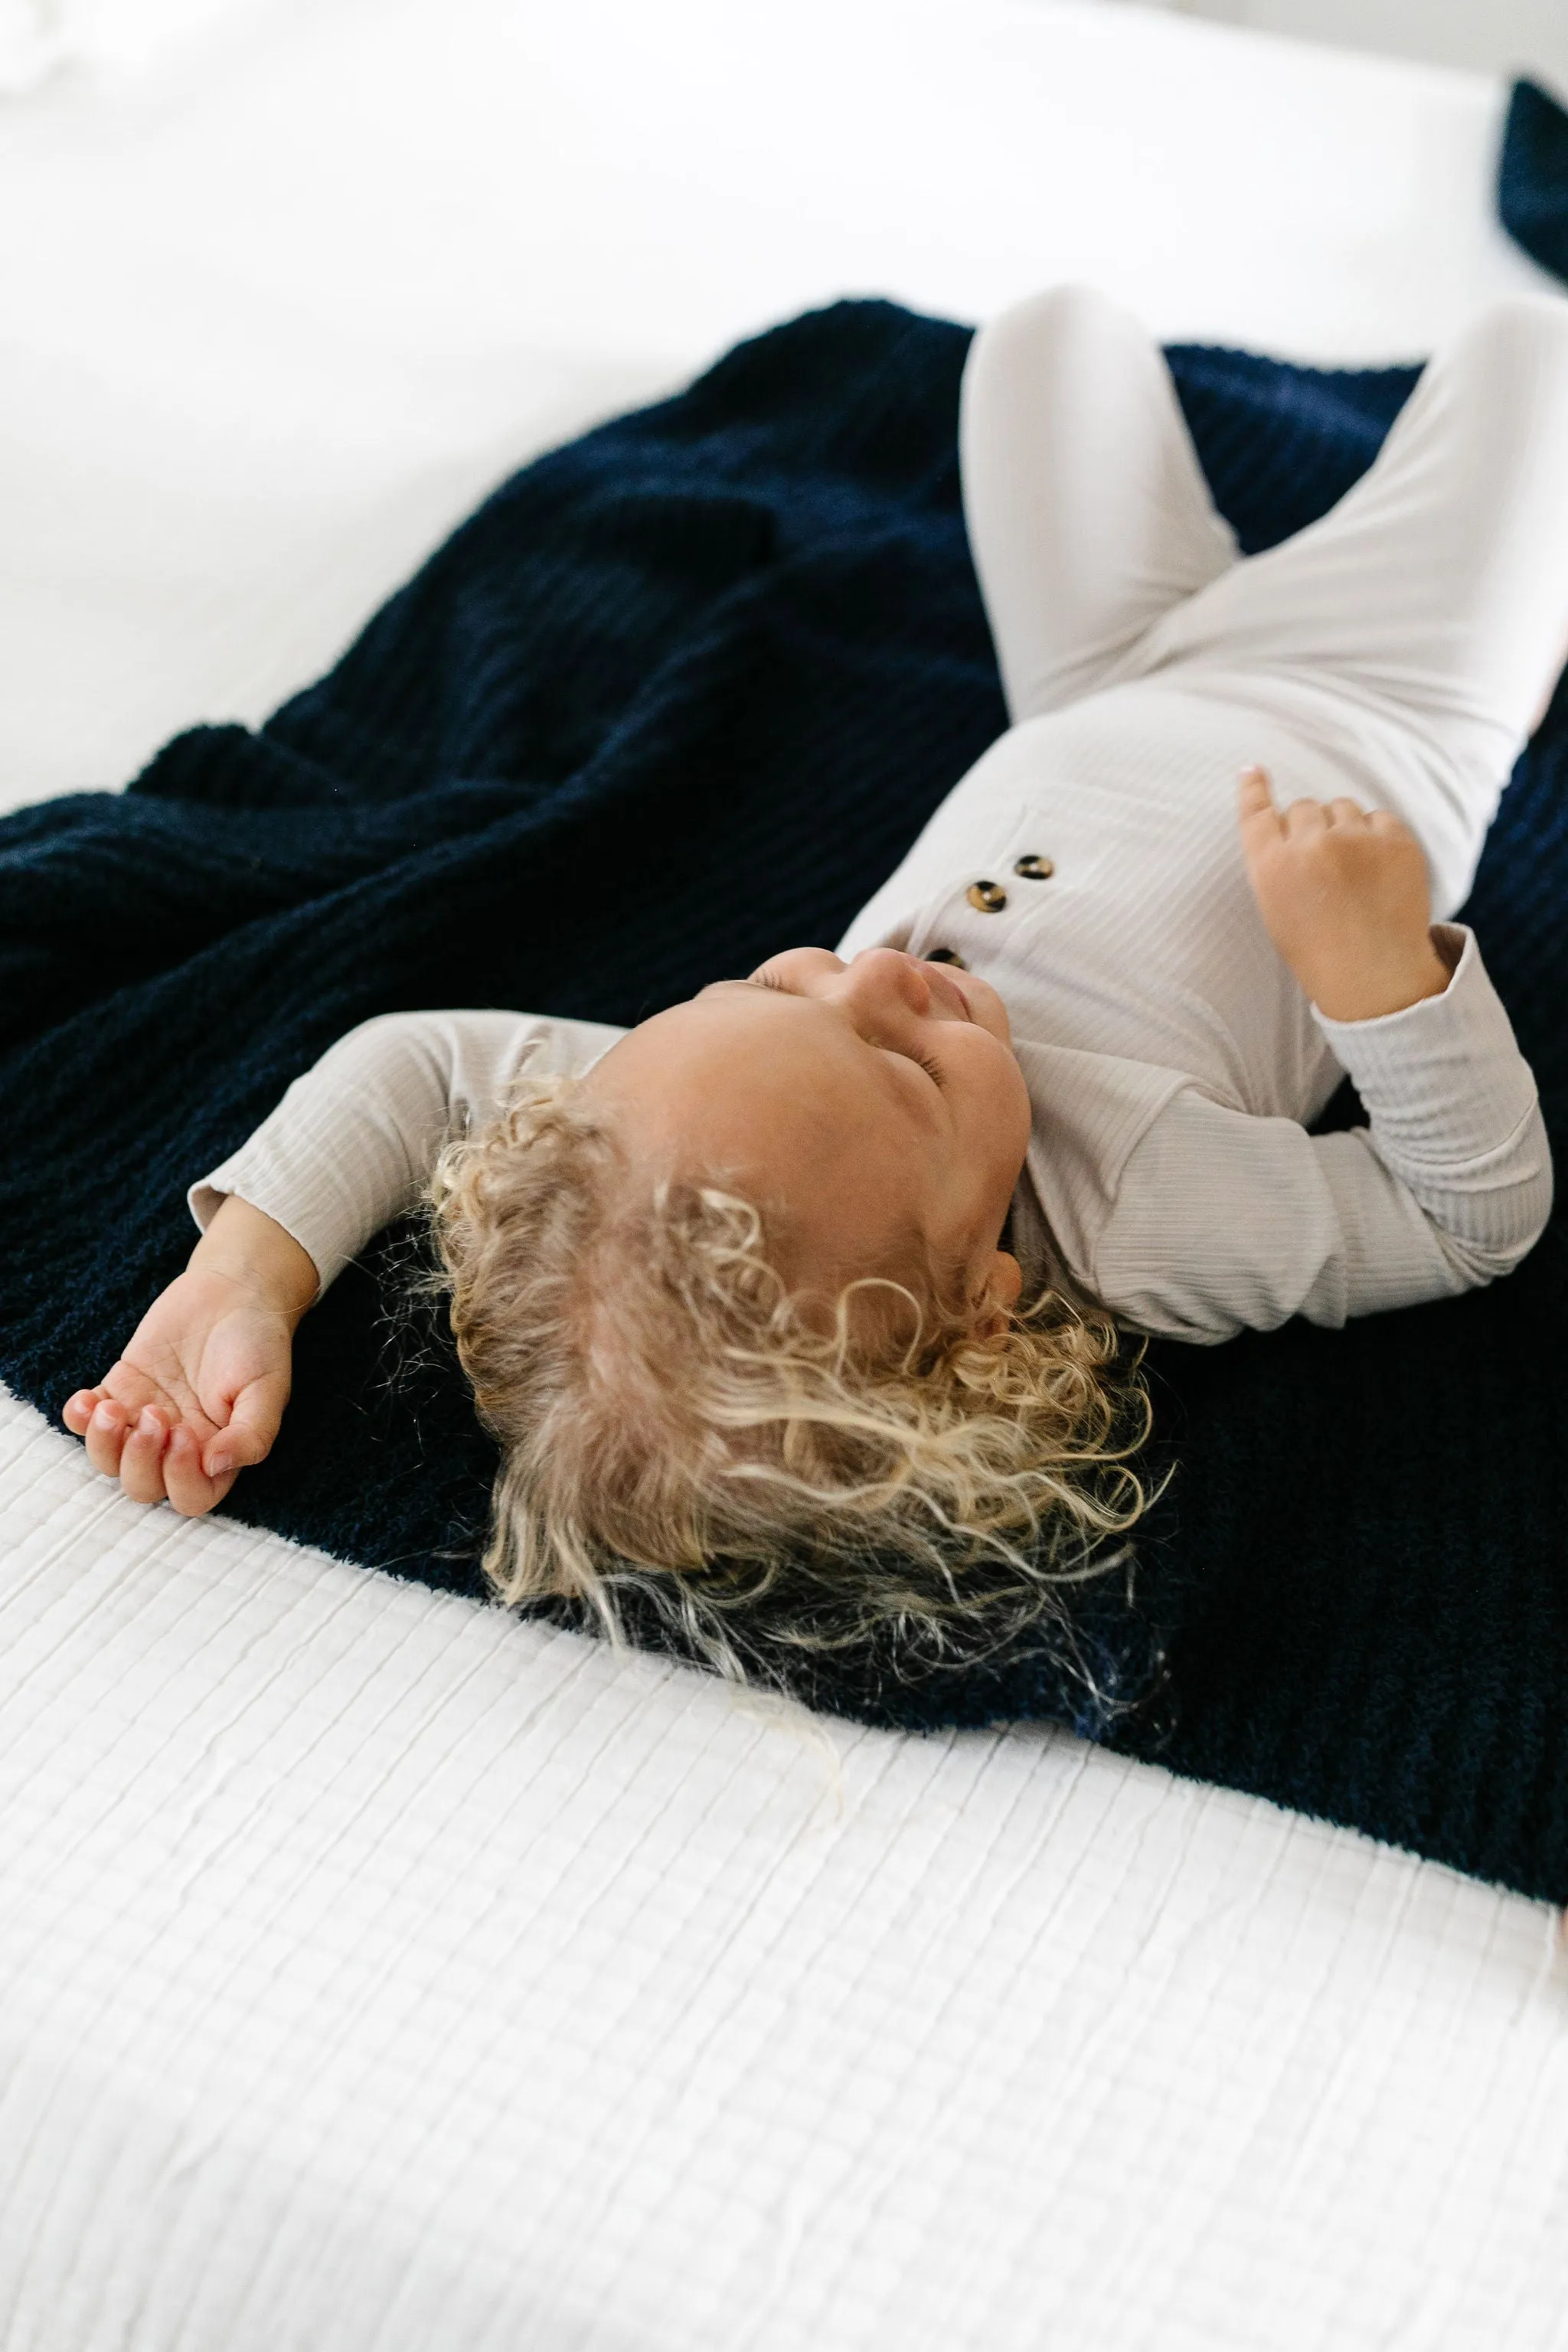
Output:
[[1422, 623], [1087, 512]]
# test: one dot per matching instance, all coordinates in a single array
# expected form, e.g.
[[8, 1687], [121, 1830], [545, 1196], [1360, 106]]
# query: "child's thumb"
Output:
[[252, 1425]]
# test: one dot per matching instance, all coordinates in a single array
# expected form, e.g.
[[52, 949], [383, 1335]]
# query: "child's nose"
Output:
[[884, 979]]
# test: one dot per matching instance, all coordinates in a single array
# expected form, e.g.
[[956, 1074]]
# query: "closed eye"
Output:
[[771, 980]]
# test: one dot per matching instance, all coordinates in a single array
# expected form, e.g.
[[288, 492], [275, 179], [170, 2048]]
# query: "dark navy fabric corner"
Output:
[[1533, 176]]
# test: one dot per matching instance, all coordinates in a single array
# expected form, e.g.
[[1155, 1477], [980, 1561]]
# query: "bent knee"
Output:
[[1047, 328]]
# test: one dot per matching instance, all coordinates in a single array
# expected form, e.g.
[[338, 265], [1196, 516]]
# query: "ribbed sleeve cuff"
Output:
[[1443, 1078], [326, 1228]]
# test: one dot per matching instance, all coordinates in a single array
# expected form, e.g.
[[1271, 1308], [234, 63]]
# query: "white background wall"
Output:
[[1497, 36]]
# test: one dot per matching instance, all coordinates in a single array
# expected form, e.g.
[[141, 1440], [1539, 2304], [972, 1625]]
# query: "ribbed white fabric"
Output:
[[1399, 649], [352, 1143]]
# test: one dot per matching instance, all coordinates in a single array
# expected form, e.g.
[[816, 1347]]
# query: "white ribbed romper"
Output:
[[1088, 865]]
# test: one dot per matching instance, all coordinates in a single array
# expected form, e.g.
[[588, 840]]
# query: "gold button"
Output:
[[989, 898], [946, 955], [1036, 869]]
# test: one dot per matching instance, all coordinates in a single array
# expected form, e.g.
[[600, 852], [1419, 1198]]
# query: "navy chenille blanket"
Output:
[[677, 695]]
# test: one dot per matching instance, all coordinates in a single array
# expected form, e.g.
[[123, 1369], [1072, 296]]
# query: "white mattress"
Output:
[[375, 1973]]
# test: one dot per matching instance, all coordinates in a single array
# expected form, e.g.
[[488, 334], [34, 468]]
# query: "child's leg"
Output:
[[1089, 516], [1424, 620]]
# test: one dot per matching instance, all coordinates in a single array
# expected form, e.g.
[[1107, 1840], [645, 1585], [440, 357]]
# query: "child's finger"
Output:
[[142, 1456], [105, 1435], [1305, 820], [78, 1411], [1255, 797], [186, 1483], [1347, 814]]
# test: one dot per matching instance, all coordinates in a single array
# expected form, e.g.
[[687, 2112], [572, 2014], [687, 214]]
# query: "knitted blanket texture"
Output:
[[677, 695]]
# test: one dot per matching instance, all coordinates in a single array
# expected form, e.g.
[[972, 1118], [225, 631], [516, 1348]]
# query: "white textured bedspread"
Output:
[[380, 1976], [375, 1972]]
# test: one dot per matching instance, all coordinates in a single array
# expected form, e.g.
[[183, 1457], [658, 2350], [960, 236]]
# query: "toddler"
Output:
[[805, 1295]]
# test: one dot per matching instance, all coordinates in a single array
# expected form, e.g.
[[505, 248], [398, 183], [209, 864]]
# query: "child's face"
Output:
[[875, 1108]]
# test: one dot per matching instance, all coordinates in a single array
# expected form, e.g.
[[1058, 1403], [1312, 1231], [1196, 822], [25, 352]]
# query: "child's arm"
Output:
[[1225, 1221], [200, 1391]]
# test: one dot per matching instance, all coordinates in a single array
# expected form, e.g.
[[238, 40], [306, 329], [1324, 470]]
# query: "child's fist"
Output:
[[1345, 897]]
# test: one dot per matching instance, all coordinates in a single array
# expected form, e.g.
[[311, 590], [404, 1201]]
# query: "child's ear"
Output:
[[1000, 1291]]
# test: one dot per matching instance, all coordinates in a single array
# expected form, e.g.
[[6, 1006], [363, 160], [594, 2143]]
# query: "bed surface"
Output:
[[377, 1973]]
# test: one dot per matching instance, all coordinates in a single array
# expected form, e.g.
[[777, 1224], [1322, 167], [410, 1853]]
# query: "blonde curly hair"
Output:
[[683, 1435]]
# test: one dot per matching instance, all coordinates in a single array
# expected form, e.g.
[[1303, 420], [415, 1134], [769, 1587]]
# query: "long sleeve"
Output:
[[1224, 1221], [353, 1141]]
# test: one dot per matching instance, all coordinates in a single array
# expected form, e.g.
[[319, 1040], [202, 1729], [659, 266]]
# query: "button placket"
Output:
[[989, 898]]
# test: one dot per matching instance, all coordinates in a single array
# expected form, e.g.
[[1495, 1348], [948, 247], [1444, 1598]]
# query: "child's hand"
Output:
[[1345, 897], [200, 1391]]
